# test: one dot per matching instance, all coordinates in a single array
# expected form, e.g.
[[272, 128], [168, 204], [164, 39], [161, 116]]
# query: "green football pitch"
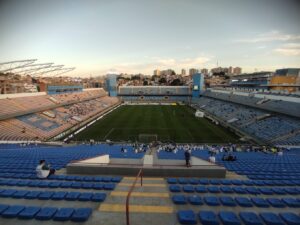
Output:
[[165, 122]]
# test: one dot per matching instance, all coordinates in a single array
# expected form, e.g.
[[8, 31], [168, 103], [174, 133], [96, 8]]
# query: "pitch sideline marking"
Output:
[[108, 133]]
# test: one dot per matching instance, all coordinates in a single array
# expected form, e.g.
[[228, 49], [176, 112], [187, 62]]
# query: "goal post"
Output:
[[147, 138]]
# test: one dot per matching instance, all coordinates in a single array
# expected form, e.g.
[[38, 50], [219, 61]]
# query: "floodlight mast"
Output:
[[15, 64]]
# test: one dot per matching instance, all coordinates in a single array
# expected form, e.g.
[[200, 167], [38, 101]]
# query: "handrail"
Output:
[[140, 174]]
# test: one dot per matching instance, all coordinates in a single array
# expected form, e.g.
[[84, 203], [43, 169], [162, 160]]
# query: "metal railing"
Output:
[[140, 174]]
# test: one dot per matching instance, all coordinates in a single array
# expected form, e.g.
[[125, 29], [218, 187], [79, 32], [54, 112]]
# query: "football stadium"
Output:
[[119, 155], [136, 112]]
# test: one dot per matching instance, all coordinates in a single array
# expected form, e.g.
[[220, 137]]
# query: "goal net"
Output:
[[146, 138]]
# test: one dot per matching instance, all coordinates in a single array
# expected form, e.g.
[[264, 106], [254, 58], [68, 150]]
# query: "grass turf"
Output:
[[168, 122]]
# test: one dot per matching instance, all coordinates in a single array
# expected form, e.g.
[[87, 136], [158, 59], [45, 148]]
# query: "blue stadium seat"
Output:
[[247, 182], [227, 201], [226, 189], [98, 197], [171, 180], [7, 193], [290, 218], [276, 202], [291, 202], [45, 195], [106, 179], [195, 200], [60, 195], [253, 190], [186, 217], [54, 184], [32, 194], [193, 181], [116, 179], [76, 185], [174, 188], [89, 179], [213, 189], [208, 218], [182, 180], [212, 201], [13, 211], [46, 213], [244, 202], [236, 182], [226, 182], [98, 179], [23, 183], [179, 199], [98, 186], [204, 181], [260, 202], [109, 186], [188, 188], [271, 218], [81, 214], [87, 185], [29, 212], [266, 191], [20, 194], [72, 196], [66, 184], [250, 218], [292, 191], [34, 183], [63, 214], [215, 182], [201, 189], [239, 190], [3, 207], [85, 196], [229, 218], [279, 191]]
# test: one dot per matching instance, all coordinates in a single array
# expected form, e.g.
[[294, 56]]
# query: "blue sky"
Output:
[[139, 35]]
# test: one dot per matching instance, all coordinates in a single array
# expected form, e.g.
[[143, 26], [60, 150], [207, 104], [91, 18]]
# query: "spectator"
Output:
[[43, 170], [187, 155]]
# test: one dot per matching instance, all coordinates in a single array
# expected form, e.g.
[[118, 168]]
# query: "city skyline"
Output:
[[141, 36]]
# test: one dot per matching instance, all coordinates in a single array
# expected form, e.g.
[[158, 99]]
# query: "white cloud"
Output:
[[289, 49], [269, 37], [153, 63]]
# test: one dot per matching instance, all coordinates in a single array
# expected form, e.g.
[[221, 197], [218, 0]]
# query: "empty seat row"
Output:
[[59, 195], [46, 213], [58, 184], [237, 201], [237, 190], [231, 218], [86, 178], [195, 181]]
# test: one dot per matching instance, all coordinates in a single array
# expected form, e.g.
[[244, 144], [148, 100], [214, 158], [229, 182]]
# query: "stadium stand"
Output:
[[269, 128], [51, 115]]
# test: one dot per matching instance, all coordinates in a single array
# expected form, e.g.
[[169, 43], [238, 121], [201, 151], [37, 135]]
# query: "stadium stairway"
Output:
[[149, 204]]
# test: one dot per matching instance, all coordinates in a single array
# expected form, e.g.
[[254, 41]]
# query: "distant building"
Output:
[[288, 72], [237, 70], [204, 71], [156, 72], [183, 72], [219, 70], [230, 70], [251, 81], [193, 71]]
